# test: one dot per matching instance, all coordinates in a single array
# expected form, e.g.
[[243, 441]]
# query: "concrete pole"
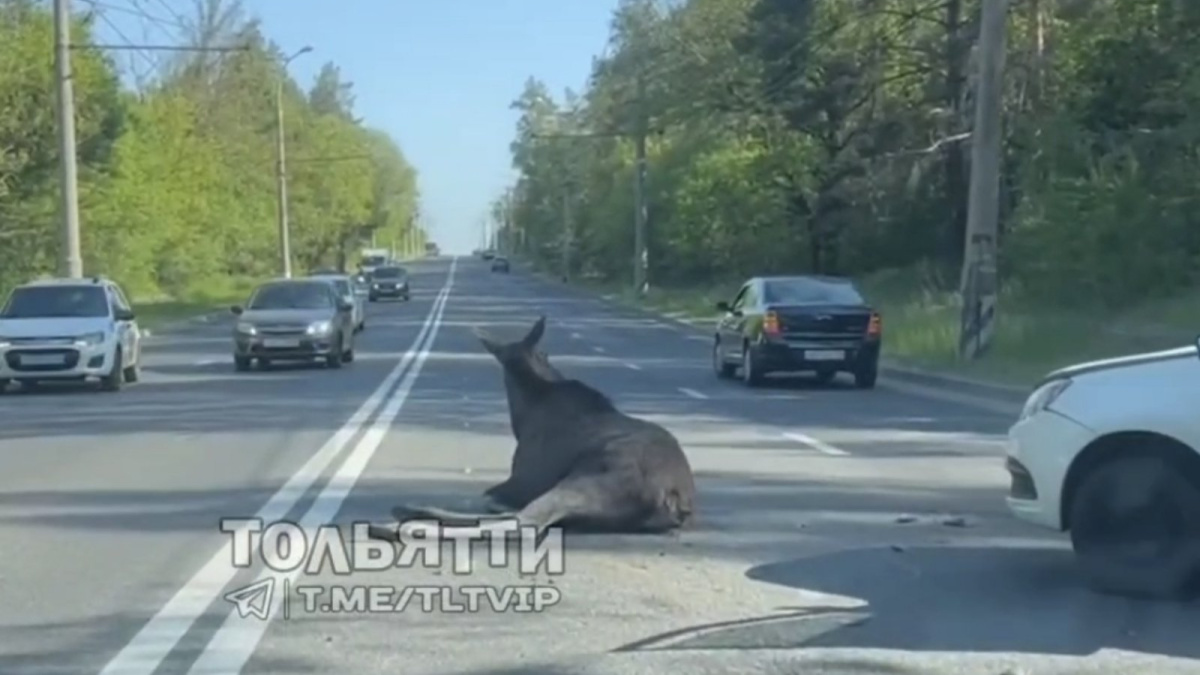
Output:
[[72, 256], [978, 283]]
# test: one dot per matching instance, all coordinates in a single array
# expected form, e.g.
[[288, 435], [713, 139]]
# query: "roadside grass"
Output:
[[155, 312], [921, 326]]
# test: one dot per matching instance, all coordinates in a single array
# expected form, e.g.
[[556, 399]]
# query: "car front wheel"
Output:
[[1135, 528]]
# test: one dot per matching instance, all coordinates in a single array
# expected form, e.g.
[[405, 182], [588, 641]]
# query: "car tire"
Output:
[[334, 359], [1102, 538], [241, 363], [865, 376], [348, 355], [114, 380], [3, 385], [132, 374], [723, 369], [751, 373]]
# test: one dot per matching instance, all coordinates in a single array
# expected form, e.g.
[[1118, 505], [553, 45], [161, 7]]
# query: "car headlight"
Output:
[[91, 339], [246, 329], [5, 342], [1041, 399], [319, 328]]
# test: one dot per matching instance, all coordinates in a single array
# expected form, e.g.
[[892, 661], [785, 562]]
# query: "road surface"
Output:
[[840, 531]]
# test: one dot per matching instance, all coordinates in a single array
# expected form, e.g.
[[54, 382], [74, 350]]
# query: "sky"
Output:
[[437, 75]]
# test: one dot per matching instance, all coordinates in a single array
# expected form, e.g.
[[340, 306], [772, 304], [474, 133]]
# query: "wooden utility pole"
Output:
[[978, 283]]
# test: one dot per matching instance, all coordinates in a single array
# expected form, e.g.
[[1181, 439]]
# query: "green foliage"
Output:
[[177, 182], [833, 137]]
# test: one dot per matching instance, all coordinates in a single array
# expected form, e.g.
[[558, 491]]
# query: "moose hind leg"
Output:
[[600, 501]]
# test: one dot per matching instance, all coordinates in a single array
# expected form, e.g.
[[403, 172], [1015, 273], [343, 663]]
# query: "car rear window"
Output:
[[810, 292]]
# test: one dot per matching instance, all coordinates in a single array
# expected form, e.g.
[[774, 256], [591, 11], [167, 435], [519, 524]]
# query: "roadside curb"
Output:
[[1007, 395]]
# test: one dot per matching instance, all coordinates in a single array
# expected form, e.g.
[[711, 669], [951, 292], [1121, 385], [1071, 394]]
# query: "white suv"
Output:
[[1110, 450], [69, 329]]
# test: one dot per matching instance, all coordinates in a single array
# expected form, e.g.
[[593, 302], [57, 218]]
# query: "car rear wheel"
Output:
[[241, 363], [721, 367], [1135, 528], [865, 376], [751, 375]]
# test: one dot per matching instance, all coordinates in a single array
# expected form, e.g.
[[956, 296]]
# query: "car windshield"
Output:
[[292, 296], [44, 302], [343, 286], [389, 273], [810, 292]]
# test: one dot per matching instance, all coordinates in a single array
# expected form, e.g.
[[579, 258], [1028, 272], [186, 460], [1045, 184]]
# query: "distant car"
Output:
[[1110, 451], [294, 320], [69, 329], [389, 282], [798, 323], [346, 288], [500, 265], [488, 255]]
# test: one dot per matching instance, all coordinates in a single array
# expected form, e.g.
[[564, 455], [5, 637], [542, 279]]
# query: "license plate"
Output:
[[825, 355], [42, 359], [280, 344]]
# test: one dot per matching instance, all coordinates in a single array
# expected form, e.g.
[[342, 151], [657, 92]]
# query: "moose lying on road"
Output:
[[579, 461]]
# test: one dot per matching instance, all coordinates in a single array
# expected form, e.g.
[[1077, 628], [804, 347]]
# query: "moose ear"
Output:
[[489, 343], [535, 333]]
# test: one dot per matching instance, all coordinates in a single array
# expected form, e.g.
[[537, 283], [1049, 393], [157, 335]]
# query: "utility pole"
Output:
[[641, 258], [978, 283], [568, 233], [72, 256], [285, 246]]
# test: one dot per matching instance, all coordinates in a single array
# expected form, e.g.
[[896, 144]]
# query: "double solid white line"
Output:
[[236, 639]]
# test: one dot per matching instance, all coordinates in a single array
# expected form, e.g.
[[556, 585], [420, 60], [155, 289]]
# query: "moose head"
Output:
[[526, 369]]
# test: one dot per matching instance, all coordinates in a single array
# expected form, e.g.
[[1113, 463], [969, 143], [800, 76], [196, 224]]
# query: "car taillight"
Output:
[[875, 327], [771, 323]]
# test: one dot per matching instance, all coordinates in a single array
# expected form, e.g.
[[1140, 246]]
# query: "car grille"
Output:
[[15, 357], [283, 329]]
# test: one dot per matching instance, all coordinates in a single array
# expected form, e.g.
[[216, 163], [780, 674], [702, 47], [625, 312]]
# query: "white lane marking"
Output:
[[598, 350], [698, 338], [208, 362], [146, 651], [576, 336], [235, 641], [693, 393], [819, 446], [633, 366]]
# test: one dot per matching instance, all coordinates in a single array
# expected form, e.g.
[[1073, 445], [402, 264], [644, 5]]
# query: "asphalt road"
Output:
[[840, 531]]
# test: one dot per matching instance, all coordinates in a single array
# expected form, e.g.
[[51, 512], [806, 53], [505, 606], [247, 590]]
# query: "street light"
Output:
[[285, 251]]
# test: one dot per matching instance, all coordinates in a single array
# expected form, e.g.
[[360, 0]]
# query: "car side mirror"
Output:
[[724, 306], [124, 315], [236, 309]]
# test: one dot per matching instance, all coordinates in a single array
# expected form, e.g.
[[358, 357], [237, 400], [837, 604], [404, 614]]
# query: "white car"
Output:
[[1110, 451], [69, 329]]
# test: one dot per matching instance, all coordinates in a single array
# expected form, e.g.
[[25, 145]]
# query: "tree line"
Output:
[[834, 137], [177, 188]]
